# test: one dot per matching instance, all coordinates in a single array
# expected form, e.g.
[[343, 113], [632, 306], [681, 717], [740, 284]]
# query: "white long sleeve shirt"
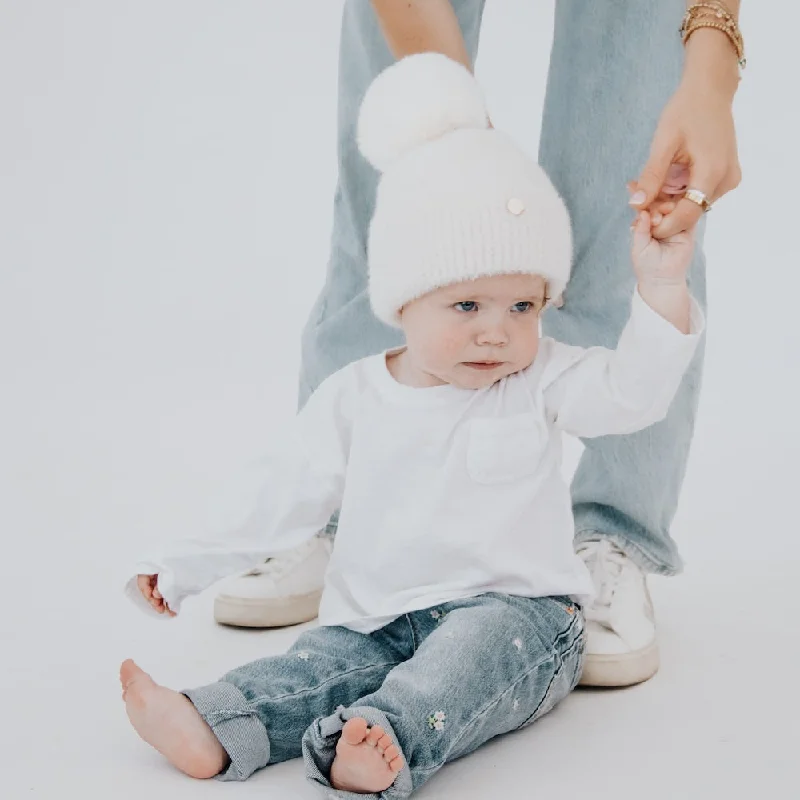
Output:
[[444, 493]]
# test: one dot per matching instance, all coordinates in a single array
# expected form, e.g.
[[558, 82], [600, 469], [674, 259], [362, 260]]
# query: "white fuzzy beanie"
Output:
[[457, 200]]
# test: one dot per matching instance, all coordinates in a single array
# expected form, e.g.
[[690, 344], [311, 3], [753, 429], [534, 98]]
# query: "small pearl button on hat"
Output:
[[515, 206]]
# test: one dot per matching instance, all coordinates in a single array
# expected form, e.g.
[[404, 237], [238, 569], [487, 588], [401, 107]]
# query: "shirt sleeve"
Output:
[[275, 505], [597, 391]]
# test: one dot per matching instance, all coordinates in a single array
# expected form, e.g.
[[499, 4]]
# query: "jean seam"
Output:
[[413, 636], [530, 718], [261, 698], [484, 711], [550, 657], [574, 621], [576, 644]]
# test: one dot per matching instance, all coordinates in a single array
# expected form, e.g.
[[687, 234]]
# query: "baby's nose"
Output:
[[494, 335]]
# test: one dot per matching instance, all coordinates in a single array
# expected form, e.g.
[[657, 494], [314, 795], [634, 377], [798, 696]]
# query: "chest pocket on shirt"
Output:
[[507, 449]]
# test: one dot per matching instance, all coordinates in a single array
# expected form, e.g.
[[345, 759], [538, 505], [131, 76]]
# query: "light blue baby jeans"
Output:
[[614, 66], [441, 682]]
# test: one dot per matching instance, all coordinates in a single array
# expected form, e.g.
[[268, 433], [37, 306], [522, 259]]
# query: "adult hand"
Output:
[[695, 141]]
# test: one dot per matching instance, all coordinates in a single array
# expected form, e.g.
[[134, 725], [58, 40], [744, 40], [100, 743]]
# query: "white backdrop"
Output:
[[166, 178]]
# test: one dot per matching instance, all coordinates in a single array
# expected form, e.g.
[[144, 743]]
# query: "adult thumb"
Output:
[[653, 174]]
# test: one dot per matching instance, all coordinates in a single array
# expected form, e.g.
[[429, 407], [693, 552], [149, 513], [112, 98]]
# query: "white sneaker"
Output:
[[621, 647], [285, 590]]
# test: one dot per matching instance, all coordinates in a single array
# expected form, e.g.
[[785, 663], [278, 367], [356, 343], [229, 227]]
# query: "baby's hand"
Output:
[[660, 261], [148, 586]]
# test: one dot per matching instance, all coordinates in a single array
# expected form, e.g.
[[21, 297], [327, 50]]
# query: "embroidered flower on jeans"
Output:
[[303, 654], [436, 614], [517, 643], [436, 721]]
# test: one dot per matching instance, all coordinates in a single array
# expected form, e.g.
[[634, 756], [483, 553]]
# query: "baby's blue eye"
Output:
[[466, 305], [522, 307]]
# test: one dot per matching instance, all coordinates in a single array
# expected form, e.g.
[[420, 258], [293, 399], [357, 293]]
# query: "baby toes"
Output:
[[355, 731], [375, 735], [390, 753], [396, 764]]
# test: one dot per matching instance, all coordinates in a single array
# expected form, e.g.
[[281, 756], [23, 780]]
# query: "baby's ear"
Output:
[[552, 300]]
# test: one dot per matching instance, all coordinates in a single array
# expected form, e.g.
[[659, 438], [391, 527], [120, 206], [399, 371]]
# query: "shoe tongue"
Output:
[[605, 563]]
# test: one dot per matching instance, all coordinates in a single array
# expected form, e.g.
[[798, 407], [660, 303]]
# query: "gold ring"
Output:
[[698, 197]]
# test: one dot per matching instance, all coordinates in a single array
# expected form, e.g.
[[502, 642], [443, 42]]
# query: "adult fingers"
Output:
[[660, 210], [683, 218], [654, 173], [676, 181], [687, 212]]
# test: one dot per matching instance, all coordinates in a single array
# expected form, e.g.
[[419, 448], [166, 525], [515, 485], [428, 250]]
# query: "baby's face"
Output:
[[472, 334]]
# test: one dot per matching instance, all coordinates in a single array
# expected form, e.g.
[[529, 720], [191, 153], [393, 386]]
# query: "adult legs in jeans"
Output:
[[601, 111], [602, 105]]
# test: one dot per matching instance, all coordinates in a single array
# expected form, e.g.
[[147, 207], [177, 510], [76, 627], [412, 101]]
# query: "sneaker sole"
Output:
[[279, 612], [621, 670]]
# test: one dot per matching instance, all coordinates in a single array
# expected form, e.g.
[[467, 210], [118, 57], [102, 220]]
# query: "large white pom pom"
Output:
[[414, 101]]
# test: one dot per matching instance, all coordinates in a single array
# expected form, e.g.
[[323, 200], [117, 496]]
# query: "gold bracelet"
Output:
[[711, 8], [714, 14], [708, 23]]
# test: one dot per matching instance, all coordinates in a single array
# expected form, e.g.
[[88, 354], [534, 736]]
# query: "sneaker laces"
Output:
[[606, 564]]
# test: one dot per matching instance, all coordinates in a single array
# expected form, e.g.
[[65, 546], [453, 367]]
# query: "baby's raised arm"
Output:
[[599, 391]]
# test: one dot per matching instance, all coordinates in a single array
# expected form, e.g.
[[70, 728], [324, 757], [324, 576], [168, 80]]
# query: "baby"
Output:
[[452, 609]]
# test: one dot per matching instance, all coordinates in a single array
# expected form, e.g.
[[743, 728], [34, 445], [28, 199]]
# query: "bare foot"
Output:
[[366, 760], [169, 722]]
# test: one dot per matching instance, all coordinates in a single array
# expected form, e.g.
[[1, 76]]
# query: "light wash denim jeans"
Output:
[[613, 67], [441, 682]]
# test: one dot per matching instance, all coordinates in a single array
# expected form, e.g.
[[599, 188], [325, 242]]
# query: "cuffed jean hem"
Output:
[[236, 725], [319, 751], [634, 552]]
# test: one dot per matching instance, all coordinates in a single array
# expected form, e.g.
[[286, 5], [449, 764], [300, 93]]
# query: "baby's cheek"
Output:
[[530, 345], [451, 346]]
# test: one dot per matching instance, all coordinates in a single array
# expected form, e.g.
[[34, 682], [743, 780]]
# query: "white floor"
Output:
[[162, 240]]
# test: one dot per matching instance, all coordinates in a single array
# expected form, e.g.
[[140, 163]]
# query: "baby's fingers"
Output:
[[641, 232], [661, 210], [145, 584]]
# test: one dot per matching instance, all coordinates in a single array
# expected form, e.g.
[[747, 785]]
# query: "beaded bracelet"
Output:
[[714, 14]]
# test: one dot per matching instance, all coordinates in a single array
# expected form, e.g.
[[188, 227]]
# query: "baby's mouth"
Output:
[[483, 365]]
